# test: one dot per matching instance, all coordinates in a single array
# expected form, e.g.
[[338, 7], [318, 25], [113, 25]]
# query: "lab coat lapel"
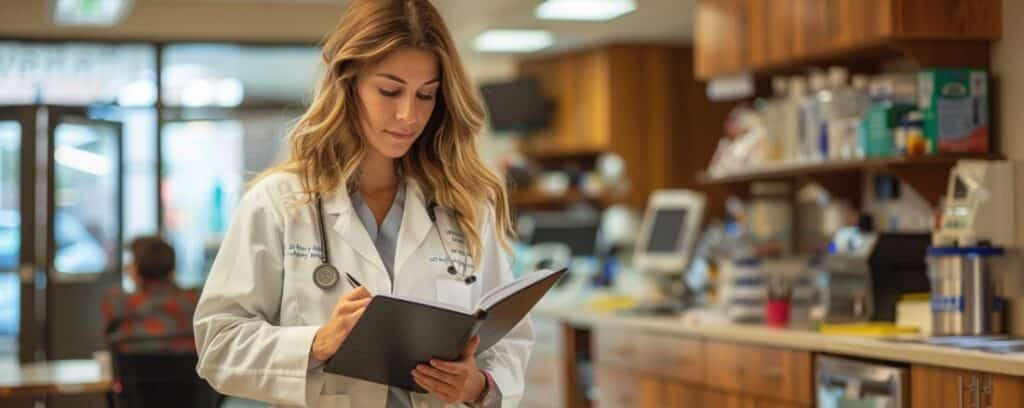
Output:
[[351, 230], [416, 225]]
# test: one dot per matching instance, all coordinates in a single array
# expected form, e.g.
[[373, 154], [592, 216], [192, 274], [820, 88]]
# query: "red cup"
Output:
[[776, 312]]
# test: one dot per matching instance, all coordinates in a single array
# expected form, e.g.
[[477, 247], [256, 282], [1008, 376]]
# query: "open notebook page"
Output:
[[489, 300], [501, 292]]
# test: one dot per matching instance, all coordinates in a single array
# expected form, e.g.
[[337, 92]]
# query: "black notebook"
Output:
[[395, 333]]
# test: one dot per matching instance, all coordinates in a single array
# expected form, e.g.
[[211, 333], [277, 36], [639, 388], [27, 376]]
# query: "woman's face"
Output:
[[398, 95]]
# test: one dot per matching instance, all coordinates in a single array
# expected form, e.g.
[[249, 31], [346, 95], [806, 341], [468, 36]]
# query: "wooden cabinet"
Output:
[[770, 373], [638, 101], [727, 371], [615, 348], [935, 387], [721, 39], [668, 370], [578, 85], [621, 388], [671, 357], [682, 395], [733, 36]]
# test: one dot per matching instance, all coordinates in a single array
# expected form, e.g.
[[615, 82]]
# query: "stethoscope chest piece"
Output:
[[326, 276]]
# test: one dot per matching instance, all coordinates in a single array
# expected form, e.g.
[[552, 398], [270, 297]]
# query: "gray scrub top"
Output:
[[385, 239]]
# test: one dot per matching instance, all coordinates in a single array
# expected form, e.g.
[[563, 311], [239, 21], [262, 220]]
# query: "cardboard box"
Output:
[[954, 102]]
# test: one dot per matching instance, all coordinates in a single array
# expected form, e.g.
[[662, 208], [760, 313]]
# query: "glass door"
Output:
[[60, 230], [84, 237], [201, 181], [16, 290]]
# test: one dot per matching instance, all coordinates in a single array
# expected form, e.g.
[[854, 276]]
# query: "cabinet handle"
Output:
[[975, 392], [987, 389], [772, 375], [960, 391]]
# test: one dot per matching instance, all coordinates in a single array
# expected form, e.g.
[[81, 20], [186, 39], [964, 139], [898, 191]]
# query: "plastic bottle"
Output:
[[847, 109], [772, 111], [792, 150], [811, 119]]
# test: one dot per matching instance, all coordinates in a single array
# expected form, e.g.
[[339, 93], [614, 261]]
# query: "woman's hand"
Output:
[[453, 381], [346, 313]]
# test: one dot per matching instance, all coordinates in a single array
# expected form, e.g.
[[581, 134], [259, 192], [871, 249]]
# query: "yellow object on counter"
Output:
[[868, 329], [610, 303]]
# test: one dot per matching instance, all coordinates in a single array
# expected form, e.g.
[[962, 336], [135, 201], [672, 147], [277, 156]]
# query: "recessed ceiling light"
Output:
[[513, 40], [90, 12], [586, 10]]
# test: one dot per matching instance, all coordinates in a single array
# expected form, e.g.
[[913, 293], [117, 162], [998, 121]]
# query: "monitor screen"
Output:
[[581, 239], [666, 231], [959, 188], [575, 229], [516, 105]]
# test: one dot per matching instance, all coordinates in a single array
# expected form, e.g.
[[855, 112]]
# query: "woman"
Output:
[[390, 133]]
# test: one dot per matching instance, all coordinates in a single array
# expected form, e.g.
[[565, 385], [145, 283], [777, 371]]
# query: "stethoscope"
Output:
[[325, 276]]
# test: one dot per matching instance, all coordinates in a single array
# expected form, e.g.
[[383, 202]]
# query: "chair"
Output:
[[159, 379]]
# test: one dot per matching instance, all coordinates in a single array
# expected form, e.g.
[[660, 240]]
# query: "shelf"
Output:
[[562, 153], [924, 53], [798, 170]]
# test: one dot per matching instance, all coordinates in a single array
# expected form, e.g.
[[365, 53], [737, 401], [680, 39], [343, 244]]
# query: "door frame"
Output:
[[30, 328], [113, 273]]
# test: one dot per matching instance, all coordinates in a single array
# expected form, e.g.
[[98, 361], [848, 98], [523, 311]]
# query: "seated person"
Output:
[[157, 316]]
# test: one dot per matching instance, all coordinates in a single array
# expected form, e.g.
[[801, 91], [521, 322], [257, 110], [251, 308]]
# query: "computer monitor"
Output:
[[668, 231], [577, 231]]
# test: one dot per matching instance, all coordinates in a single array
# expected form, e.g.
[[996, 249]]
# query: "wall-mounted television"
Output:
[[517, 105]]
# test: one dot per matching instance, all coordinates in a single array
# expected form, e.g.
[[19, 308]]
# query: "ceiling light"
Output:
[[586, 10], [513, 40], [90, 12]]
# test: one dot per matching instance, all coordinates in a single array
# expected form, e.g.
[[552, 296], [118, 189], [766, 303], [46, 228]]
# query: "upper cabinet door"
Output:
[[733, 36], [721, 36]]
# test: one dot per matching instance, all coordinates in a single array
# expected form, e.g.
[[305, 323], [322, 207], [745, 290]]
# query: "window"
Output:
[[228, 112]]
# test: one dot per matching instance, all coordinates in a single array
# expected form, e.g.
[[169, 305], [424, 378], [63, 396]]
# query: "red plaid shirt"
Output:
[[143, 321]]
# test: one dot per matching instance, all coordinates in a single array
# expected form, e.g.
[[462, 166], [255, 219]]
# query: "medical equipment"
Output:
[[666, 240], [325, 276], [669, 231], [979, 205]]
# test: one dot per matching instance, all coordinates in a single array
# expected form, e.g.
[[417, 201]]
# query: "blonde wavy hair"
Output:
[[327, 146]]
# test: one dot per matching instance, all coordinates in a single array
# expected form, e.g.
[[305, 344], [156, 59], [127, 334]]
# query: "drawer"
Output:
[[617, 388], [725, 368], [615, 347], [777, 374], [670, 357]]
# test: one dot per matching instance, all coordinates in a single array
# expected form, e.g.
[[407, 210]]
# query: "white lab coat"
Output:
[[260, 309]]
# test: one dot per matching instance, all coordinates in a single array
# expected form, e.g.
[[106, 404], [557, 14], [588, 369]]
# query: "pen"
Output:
[[352, 281]]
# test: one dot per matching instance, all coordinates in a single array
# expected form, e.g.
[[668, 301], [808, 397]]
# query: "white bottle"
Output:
[[811, 120], [790, 125], [833, 112], [859, 102], [772, 118]]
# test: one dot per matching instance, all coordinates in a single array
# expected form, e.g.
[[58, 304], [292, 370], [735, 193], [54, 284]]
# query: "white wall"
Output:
[[1008, 67]]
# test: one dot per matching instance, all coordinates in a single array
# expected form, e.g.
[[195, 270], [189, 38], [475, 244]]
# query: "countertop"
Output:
[[915, 353], [52, 377]]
